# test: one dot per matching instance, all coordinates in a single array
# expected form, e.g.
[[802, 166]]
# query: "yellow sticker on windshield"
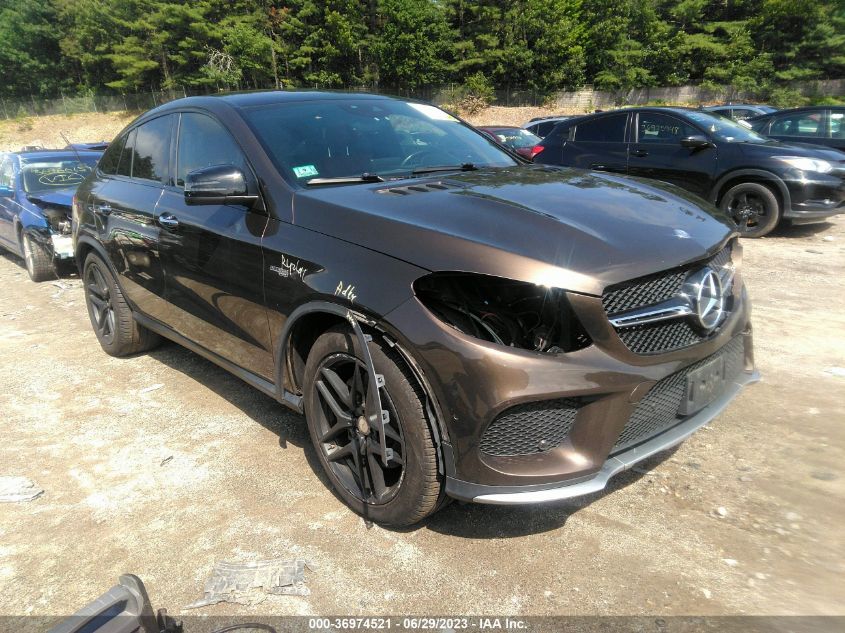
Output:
[[303, 171], [432, 113]]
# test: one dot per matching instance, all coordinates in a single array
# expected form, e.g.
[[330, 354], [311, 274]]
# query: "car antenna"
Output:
[[70, 145]]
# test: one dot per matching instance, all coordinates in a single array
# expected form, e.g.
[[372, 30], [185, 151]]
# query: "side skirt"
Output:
[[262, 384]]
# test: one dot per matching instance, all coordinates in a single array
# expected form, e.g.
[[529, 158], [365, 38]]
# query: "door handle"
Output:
[[168, 221], [639, 153], [102, 209]]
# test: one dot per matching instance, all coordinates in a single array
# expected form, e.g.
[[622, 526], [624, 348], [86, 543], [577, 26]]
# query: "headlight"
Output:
[[503, 311], [806, 164]]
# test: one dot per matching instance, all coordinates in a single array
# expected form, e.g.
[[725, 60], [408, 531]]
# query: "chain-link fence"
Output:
[[585, 99]]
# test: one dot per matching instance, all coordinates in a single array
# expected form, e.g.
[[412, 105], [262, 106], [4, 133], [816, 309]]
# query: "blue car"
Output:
[[36, 196]]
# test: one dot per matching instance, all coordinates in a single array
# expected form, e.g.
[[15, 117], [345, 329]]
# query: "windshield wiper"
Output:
[[436, 168], [345, 180]]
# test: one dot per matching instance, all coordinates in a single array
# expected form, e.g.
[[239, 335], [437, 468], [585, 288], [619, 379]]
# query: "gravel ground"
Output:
[[163, 464]]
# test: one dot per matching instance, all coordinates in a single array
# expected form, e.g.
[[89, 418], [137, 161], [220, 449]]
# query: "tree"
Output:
[[412, 44], [30, 55]]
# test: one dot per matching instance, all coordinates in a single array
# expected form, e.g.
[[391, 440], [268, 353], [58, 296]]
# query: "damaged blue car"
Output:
[[36, 199]]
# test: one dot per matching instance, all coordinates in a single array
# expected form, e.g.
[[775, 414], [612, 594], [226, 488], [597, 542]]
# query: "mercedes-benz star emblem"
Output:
[[709, 298]]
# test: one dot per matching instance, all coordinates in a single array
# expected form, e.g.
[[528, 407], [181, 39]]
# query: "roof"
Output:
[[269, 97], [737, 105], [57, 153]]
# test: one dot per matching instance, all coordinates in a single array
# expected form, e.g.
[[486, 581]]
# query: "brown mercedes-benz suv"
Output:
[[452, 321]]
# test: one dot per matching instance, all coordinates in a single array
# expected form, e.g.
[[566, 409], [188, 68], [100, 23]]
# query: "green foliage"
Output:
[[754, 47], [783, 97], [476, 93]]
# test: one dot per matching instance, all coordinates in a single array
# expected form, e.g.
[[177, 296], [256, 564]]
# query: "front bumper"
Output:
[[814, 199], [474, 383], [513, 495]]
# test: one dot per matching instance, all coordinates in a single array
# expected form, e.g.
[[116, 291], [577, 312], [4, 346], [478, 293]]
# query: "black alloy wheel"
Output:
[[349, 444], [753, 207], [111, 317], [407, 486], [100, 306]]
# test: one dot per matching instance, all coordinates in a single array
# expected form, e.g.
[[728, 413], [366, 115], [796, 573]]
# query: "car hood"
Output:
[[560, 227], [56, 198], [777, 148]]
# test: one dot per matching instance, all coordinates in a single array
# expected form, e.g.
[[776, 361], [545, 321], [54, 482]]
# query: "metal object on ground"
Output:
[[251, 583], [13, 489]]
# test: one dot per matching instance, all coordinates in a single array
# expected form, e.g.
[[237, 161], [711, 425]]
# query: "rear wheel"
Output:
[[753, 207], [118, 333], [39, 264], [408, 487]]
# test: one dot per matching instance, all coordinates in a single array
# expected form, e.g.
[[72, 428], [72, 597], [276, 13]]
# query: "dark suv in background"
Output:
[[815, 124], [753, 179], [740, 111], [452, 321]]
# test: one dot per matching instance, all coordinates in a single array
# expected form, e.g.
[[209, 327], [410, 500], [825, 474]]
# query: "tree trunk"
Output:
[[273, 60]]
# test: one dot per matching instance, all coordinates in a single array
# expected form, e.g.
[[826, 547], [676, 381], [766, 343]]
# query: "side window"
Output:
[[124, 164], [799, 124], [837, 125], [742, 114], [544, 128], [558, 133], [111, 158], [203, 142], [606, 129], [660, 128], [151, 159], [7, 174]]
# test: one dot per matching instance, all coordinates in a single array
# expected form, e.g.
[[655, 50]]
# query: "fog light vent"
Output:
[[527, 429]]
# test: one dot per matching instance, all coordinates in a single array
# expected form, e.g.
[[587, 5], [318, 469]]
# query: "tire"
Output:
[[39, 264], [111, 317], [409, 491], [754, 207]]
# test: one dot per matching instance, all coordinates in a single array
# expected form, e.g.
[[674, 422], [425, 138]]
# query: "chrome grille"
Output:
[[662, 336], [643, 291]]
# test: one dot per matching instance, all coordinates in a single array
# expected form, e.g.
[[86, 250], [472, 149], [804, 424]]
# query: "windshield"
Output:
[[515, 137], [348, 138], [725, 129], [40, 175]]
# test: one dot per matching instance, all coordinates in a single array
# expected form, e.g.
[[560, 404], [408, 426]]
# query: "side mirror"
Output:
[[697, 141], [6, 192], [218, 184]]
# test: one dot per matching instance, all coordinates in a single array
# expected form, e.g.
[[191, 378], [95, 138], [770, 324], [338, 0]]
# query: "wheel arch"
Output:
[[84, 246], [305, 325], [759, 176]]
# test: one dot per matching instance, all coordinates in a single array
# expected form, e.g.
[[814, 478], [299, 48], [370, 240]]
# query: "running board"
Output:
[[262, 384]]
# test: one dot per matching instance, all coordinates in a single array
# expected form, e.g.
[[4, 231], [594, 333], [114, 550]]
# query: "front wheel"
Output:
[[753, 207], [408, 487], [39, 264]]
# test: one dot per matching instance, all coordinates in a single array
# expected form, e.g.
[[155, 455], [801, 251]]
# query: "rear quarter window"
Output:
[[151, 159], [607, 129], [111, 158]]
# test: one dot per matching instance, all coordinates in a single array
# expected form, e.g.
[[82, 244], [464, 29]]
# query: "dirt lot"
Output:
[[47, 131], [163, 464]]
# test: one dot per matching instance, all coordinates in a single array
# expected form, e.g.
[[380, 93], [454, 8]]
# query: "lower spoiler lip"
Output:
[[613, 466]]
